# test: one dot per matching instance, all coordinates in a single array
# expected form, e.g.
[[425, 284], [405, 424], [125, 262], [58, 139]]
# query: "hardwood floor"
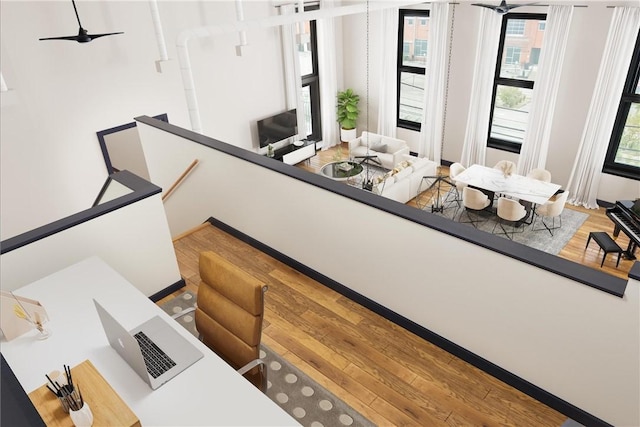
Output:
[[391, 376], [388, 374]]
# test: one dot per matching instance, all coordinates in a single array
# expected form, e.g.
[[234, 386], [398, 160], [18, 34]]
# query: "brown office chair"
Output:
[[229, 315]]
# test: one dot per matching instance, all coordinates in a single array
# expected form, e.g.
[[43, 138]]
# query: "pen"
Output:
[[55, 385]]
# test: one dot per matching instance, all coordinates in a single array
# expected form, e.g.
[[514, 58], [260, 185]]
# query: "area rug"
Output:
[[299, 395], [525, 234]]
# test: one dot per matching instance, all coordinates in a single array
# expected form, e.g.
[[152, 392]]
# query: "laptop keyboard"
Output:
[[156, 360]]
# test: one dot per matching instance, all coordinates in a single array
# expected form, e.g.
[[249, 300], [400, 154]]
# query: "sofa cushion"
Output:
[[379, 147], [386, 159], [403, 173], [370, 138], [392, 144], [359, 150], [420, 162]]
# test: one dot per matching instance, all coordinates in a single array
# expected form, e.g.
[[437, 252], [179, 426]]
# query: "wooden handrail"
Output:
[[181, 178]]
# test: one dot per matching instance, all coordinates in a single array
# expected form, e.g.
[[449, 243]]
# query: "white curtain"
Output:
[[432, 127], [475, 140], [534, 149], [585, 176], [328, 78], [387, 101], [292, 78]]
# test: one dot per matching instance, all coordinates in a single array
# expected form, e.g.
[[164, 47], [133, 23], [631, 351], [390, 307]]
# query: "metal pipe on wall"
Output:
[[157, 25], [3, 84]]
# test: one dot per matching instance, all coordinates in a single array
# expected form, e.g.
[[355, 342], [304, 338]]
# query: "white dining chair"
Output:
[[550, 210], [455, 193], [474, 202], [509, 211], [540, 174]]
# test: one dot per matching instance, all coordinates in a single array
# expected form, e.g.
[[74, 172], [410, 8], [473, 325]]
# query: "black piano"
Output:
[[625, 215]]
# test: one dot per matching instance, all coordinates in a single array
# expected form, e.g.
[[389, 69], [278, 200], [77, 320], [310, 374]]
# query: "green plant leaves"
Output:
[[347, 108]]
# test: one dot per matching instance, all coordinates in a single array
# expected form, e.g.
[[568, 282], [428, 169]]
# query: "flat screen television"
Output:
[[276, 128]]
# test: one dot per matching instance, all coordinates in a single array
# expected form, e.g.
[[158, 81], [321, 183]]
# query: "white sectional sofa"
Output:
[[403, 182], [389, 150]]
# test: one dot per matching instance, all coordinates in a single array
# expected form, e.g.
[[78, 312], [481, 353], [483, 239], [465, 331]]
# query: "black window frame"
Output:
[[417, 14], [501, 144], [313, 80], [627, 98]]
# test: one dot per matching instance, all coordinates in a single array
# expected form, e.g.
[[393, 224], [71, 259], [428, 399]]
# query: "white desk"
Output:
[[516, 186], [209, 392]]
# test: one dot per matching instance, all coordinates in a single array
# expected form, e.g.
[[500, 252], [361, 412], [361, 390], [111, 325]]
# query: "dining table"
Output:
[[529, 191], [514, 185]]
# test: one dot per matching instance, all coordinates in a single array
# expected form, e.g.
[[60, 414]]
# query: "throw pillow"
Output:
[[390, 143], [379, 147]]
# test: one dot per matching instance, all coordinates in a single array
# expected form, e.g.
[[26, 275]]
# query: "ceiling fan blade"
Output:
[[488, 6], [95, 36], [73, 38], [503, 7], [513, 6]]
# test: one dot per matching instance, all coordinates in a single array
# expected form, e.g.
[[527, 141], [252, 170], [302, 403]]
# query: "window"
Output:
[[518, 54], [512, 55], [308, 60], [420, 48], [542, 25], [623, 155], [515, 27], [412, 57]]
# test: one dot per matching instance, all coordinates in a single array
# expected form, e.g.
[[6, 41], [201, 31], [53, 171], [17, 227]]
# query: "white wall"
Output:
[[125, 152], [134, 240], [64, 92], [576, 342]]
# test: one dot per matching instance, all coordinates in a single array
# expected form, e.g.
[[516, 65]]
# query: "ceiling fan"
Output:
[[82, 36], [503, 7]]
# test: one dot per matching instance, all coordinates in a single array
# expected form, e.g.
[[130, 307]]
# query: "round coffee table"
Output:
[[341, 170]]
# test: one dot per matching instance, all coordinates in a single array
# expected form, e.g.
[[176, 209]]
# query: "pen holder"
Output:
[[83, 417]]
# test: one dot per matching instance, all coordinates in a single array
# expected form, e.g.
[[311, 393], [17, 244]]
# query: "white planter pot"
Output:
[[347, 135]]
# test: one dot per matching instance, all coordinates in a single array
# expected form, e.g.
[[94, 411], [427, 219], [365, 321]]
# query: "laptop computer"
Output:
[[166, 355]]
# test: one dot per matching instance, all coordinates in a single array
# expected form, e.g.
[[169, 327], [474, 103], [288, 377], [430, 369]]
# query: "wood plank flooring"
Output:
[[388, 374]]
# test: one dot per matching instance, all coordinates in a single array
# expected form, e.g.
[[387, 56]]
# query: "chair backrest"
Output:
[[556, 207], [510, 210], [540, 175], [455, 169], [230, 311], [474, 199]]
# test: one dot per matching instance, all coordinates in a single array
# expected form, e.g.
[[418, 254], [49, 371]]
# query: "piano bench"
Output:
[[606, 243]]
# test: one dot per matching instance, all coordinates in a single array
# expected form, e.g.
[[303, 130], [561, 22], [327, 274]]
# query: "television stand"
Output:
[[291, 154]]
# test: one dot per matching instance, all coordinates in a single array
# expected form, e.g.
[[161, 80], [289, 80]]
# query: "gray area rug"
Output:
[[299, 395], [525, 234], [541, 239]]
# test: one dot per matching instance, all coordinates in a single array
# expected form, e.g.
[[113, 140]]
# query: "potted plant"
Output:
[[347, 114]]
